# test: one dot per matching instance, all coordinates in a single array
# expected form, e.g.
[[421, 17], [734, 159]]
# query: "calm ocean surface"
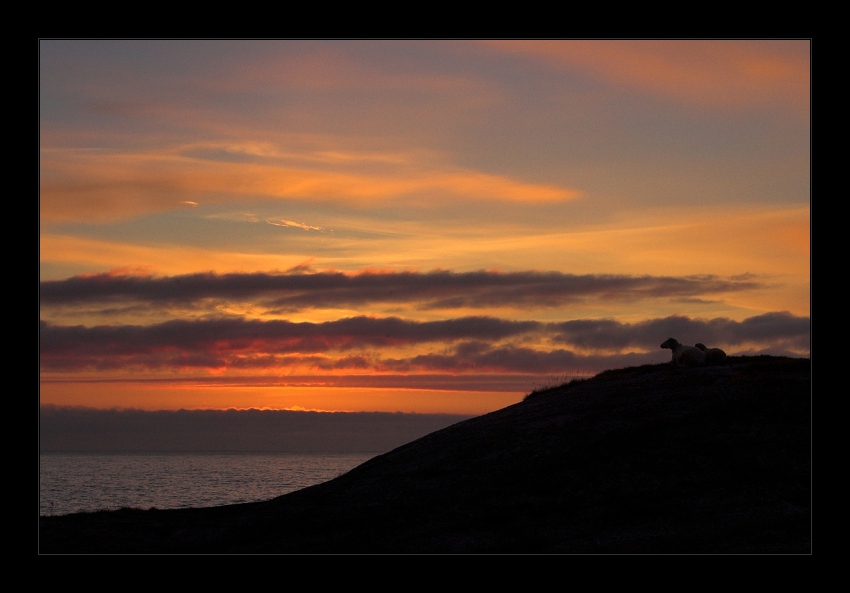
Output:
[[71, 482]]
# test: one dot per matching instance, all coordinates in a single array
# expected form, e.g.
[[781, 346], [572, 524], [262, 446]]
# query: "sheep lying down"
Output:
[[684, 356], [712, 355]]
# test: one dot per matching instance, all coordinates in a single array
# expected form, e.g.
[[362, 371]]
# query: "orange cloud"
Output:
[[169, 260], [85, 186], [708, 73]]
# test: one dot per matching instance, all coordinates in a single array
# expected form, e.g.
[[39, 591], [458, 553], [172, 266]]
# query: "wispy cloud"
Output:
[[291, 223], [111, 186]]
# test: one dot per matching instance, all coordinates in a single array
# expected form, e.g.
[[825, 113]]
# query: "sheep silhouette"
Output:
[[712, 355], [684, 356]]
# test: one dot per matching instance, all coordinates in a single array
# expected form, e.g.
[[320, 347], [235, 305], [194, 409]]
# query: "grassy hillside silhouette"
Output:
[[649, 459]]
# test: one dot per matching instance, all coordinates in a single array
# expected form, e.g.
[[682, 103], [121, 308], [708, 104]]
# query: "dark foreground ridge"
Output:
[[650, 459]]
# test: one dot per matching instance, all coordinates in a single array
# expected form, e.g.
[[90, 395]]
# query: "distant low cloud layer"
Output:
[[268, 431], [425, 290]]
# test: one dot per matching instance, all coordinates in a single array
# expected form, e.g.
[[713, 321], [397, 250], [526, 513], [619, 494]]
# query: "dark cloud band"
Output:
[[467, 344], [436, 289]]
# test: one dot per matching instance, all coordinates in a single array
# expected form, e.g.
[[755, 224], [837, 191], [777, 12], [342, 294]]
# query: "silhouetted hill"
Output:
[[650, 459]]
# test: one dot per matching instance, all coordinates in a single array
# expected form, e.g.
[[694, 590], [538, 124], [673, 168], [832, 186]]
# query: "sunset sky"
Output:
[[414, 226]]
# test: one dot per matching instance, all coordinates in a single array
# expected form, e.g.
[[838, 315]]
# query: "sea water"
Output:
[[71, 482]]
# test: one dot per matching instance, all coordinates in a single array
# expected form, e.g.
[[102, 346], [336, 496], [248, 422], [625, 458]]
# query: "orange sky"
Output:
[[418, 226]]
